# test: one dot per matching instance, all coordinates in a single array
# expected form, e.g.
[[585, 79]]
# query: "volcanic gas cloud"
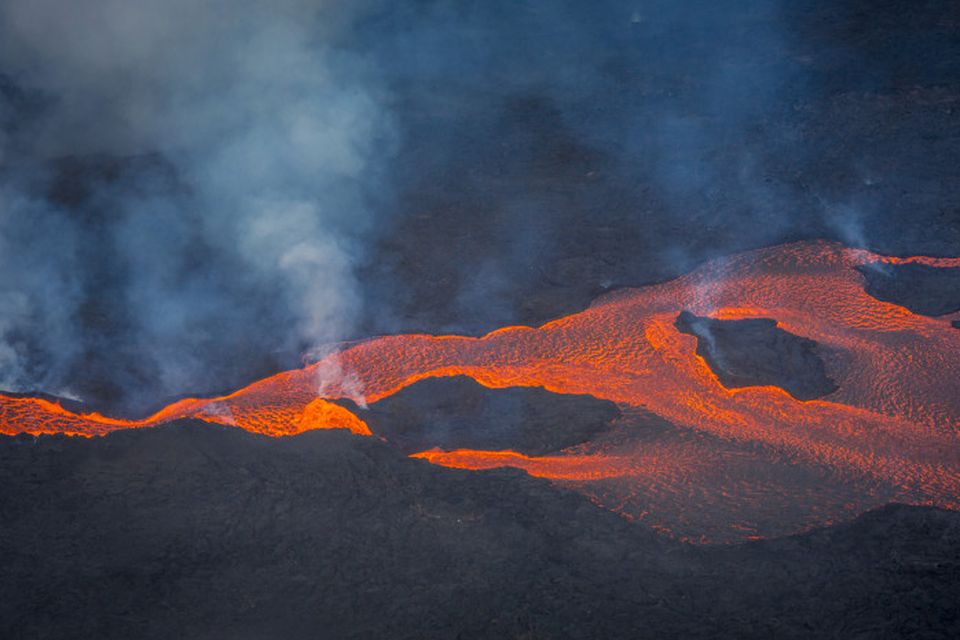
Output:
[[736, 463]]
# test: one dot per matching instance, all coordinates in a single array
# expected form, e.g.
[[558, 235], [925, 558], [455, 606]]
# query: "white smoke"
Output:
[[333, 379], [270, 125]]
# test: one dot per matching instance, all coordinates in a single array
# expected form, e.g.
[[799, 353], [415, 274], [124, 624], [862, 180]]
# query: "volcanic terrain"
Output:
[[449, 319]]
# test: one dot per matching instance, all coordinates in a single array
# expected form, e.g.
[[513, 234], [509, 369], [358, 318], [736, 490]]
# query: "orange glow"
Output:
[[37, 416], [567, 467], [893, 420]]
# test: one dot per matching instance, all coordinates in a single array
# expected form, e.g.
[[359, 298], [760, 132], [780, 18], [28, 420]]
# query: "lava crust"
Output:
[[927, 290], [459, 413], [755, 352]]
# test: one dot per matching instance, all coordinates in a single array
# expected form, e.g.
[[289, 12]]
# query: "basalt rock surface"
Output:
[[929, 291], [755, 352], [459, 413], [196, 531]]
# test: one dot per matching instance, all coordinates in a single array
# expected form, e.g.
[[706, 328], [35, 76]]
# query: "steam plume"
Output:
[[247, 132]]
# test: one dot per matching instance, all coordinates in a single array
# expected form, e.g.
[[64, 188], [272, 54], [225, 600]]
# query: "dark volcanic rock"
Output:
[[194, 531], [753, 352], [929, 291], [955, 324], [858, 569], [459, 413], [197, 531], [864, 110]]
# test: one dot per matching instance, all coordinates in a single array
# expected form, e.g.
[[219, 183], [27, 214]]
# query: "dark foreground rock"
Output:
[[753, 352], [459, 413], [196, 531], [929, 291]]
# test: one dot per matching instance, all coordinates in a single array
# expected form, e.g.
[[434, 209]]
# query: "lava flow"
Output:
[[889, 431], [279, 417]]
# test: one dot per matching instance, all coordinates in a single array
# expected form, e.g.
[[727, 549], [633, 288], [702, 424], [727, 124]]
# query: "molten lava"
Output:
[[277, 417], [890, 430]]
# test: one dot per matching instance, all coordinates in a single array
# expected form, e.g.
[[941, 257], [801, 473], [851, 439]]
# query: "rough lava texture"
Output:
[[506, 205], [458, 413], [192, 530], [744, 353]]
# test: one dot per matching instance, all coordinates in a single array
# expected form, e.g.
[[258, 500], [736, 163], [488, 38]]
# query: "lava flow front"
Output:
[[736, 463]]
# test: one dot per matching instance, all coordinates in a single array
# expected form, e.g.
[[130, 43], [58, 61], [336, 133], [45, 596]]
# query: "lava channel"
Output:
[[888, 432]]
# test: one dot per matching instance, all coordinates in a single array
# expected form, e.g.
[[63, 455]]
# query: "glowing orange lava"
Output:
[[890, 431], [37, 416]]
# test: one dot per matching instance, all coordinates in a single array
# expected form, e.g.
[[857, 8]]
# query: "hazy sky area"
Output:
[[196, 193]]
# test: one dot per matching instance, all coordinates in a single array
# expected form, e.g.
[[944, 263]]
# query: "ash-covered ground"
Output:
[[194, 531], [524, 160]]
